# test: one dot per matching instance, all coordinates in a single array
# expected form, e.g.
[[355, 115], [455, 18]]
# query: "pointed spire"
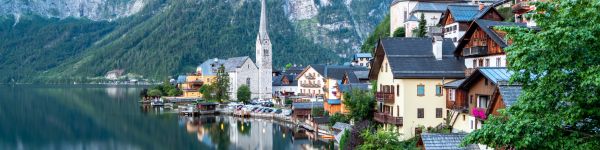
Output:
[[263, 20]]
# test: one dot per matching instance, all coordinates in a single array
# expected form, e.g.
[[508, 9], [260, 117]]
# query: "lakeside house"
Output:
[[302, 110], [311, 81], [191, 83], [284, 86], [410, 74], [472, 100], [457, 18], [483, 45]]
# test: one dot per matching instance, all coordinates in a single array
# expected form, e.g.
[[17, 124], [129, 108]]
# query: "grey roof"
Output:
[[294, 70], [496, 74], [430, 7], [439, 141], [210, 66], [510, 94], [362, 55], [334, 71], [463, 13], [412, 18], [341, 126], [362, 74], [413, 58], [454, 84], [320, 120], [307, 105], [351, 86]]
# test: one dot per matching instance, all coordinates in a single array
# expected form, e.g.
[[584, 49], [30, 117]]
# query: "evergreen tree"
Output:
[[399, 32], [222, 84], [421, 30]]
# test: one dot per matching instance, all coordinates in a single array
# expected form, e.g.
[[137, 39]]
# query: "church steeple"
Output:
[[264, 58], [262, 31]]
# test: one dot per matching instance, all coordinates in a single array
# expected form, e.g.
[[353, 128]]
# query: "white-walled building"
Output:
[[241, 70]]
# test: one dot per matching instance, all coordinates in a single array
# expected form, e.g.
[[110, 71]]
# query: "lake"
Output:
[[110, 117]]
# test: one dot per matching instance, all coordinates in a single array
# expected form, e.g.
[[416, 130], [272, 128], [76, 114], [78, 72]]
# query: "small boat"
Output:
[[157, 102], [188, 110]]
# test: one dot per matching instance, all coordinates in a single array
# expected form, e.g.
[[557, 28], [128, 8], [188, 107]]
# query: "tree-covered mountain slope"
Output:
[[172, 37]]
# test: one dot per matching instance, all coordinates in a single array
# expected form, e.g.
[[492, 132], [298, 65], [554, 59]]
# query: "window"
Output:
[[438, 113], [474, 63], [420, 90], [386, 67], [485, 81], [420, 113], [397, 111], [397, 90], [248, 82], [487, 62], [464, 118], [498, 62], [483, 101], [471, 124], [438, 90], [451, 95], [480, 62]]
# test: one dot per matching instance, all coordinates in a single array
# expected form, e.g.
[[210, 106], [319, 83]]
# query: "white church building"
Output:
[[243, 71]]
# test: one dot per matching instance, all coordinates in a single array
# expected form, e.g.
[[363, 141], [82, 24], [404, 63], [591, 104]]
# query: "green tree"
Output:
[[222, 84], [360, 104], [243, 94], [207, 91], [338, 117], [383, 139], [559, 68], [344, 140], [399, 32], [382, 30], [421, 30], [288, 66], [155, 93], [175, 92]]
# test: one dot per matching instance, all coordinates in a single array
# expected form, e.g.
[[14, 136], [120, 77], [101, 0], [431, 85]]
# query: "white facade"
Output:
[[264, 57], [454, 32], [245, 74], [487, 61], [310, 83]]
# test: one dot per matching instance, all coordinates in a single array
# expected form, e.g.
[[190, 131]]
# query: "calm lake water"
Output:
[[110, 117]]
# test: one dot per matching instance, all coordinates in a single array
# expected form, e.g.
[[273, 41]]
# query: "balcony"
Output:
[[310, 77], [475, 51], [385, 118], [385, 97], [308, 85]]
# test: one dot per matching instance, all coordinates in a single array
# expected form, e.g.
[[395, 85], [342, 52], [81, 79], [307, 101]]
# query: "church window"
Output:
[[266, 52], [248, 82]]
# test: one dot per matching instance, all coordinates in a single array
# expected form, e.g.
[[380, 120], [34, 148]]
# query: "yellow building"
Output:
[[190, 84], [410, 74]]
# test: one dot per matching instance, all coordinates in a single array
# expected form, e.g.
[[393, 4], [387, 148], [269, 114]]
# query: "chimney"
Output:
[[481, 6], [437, 47]]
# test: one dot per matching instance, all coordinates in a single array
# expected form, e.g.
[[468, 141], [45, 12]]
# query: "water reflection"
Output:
[[226, 132], [109, 117]]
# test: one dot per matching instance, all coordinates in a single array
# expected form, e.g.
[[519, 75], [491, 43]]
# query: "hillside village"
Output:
[[437, 87]]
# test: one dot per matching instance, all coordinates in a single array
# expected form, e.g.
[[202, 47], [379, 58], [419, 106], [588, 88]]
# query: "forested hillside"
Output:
[[165, 38]]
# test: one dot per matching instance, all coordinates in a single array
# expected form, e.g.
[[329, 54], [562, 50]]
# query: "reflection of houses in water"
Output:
[[245, 139]]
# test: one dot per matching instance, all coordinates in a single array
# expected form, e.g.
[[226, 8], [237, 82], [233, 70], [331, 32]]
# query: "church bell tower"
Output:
[[264, 57]]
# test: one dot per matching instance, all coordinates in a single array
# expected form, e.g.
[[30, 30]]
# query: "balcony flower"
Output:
[[479, 113]]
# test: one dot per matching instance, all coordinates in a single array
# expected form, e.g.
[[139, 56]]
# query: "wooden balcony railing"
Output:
[[385, 118], [521, 7], [385, 97]]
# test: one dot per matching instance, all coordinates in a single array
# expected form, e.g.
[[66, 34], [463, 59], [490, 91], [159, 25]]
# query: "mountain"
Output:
[[65, 40]]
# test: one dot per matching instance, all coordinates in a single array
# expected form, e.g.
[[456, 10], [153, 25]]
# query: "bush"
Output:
[[317, 112], [344, 139], [338, 117], [243, 94]]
